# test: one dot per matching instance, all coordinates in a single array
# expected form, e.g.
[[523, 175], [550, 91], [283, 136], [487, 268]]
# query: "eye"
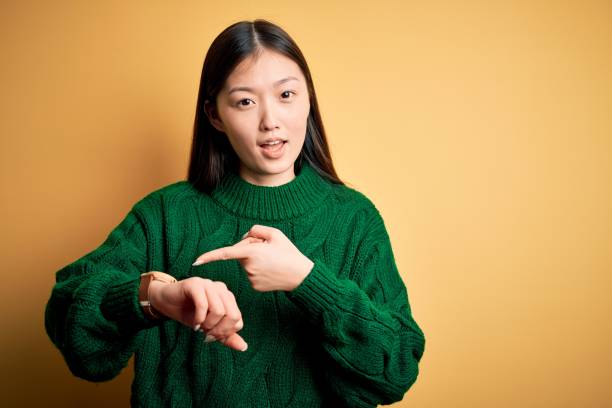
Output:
[[288, 92], [239, 103]]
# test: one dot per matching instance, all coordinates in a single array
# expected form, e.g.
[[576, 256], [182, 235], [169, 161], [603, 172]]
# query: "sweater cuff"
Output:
[[319, 292], [120, 305]]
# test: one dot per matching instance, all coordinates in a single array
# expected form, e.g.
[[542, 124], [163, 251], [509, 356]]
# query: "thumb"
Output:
[[261, 231], [235, 341]]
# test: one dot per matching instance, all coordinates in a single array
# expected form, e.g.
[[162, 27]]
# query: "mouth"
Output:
[[273, 144], [273, 150]]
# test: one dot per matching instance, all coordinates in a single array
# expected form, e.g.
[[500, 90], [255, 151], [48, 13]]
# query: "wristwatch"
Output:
[[143, 292]]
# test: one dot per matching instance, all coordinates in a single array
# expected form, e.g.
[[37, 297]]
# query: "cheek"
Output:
[[299, 117], [236, 123], [239, 128]]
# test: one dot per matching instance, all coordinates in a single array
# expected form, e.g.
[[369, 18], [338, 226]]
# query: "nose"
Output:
[[269, 119]]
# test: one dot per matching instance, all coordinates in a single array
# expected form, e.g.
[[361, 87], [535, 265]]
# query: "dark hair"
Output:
[[211, 153]]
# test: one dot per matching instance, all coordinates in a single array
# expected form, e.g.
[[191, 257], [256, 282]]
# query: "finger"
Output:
[[222, 254], [235, 341], [232, 316], [239, 325], [216, 310], [226, 325], [246, 234], [249, 240], [225, 328], [200, 304], [262, 231]]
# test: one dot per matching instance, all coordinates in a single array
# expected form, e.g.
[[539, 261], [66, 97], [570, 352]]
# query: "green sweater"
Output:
[[344, 337]]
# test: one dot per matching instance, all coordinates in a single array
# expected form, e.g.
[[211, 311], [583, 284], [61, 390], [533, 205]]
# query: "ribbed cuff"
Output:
[[319, 292], [121, 305]]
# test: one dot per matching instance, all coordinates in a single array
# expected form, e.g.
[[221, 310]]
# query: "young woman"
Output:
[[261, 280]]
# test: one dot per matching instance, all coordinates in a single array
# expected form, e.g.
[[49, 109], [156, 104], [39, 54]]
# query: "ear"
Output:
[[211, 112]]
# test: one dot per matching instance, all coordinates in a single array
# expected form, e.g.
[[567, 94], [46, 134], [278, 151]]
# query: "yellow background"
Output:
[[481, 129]]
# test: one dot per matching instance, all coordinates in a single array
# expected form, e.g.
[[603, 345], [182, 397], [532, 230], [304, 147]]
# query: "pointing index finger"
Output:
[[222, 254]]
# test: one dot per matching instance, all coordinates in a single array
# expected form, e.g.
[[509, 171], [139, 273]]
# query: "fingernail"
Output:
[[196, 263], [245, 234], [196, 328], [209, 338], [246, 346]]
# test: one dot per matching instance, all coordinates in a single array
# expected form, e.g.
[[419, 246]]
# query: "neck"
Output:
[[266, 179]]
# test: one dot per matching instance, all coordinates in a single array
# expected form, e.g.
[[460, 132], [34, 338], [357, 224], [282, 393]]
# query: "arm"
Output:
[[365, 327], [93, 315]]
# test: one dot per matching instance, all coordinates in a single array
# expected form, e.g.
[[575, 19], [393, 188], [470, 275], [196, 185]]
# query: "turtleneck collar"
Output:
[[305, 192]]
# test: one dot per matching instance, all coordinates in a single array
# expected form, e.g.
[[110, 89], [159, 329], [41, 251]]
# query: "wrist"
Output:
[[303, 273], [155, 289], [149, 290]]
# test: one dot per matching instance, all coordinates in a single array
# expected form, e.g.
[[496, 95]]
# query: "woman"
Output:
[[261, 280]]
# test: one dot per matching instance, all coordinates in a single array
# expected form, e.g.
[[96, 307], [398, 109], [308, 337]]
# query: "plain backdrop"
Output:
[[482, 130]]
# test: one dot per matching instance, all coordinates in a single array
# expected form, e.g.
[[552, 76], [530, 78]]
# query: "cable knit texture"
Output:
[[344, 337]]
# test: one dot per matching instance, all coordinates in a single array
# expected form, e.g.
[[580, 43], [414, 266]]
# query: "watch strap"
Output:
[[143, 292]]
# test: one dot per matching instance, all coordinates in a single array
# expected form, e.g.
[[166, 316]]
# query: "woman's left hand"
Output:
[[270, 259]]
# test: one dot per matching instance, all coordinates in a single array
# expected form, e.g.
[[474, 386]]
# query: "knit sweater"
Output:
[[344, 337]]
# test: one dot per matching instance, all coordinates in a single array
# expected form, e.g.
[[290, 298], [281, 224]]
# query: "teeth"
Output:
[[273, 143]]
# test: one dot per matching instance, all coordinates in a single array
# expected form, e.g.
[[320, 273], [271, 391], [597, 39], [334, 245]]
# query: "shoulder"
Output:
[[169, 194], [358, 219], [354, 205], [176, 190], [352, 199]]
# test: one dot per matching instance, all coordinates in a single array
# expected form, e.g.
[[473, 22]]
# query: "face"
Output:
[[264, 99]]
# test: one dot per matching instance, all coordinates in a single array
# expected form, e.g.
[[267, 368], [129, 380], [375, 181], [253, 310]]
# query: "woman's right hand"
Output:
[[201, 304]]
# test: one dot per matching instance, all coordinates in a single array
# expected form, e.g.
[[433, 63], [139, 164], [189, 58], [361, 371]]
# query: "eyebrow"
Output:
[[277, 83]]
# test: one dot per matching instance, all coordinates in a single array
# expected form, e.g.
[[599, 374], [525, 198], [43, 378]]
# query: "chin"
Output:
[[280, 167]]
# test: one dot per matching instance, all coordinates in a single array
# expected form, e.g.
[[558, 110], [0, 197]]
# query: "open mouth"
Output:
[[273, 151], [273, 145]]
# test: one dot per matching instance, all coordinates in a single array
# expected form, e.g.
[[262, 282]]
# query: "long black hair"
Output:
[[211, 153]]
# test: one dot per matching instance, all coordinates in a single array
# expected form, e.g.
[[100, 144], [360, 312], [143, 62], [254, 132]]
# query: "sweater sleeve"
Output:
[[93, 316], [367, 334]]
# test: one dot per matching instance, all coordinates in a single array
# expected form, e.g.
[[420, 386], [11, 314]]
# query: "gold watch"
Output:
[[143, 292]]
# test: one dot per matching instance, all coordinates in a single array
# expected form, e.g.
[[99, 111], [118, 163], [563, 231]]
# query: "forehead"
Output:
[[263, 70]]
